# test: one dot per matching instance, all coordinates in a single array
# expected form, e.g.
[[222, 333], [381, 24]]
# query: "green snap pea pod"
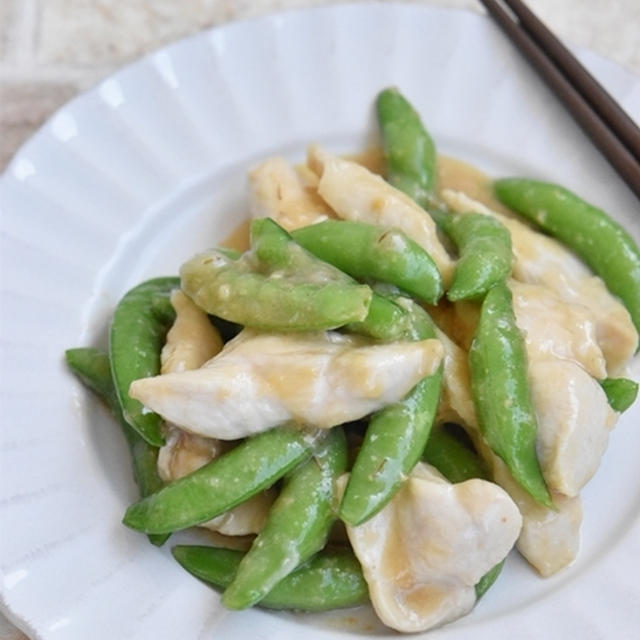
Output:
[[501, 394], [276, 249], [385, 321], [408, 148], [92, 367], [452, 458], [410, 154], [232, 254], [300, 297], [366, 251], [394, 439], [273, 247], [600, 241], [484, 584], [484, 245], [458, 463], [329, 580], [136, 337], [297, 526], [621, 392], [164, 311], [223, 483]]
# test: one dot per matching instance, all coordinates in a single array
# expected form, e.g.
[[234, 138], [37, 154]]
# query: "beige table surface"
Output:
[[51, 50]]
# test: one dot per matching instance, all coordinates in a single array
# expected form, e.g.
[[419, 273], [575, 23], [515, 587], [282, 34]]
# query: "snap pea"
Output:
[[136, 337], [484, 245], [501, 394], [394, 439], [92, 367], [223, 483], [408, 148], [299, 296], [452, 458], [487, 580], [366, 251], [386, 321], [276, 249], [297, 526], [598, 239], [621, 392], [329, 580]]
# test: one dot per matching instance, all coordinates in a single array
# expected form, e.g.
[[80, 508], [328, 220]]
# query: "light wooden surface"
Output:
[[51, 51]]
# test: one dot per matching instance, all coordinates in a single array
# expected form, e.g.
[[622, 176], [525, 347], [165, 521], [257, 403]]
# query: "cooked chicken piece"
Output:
[[191, 341], [423, 553], [260, 380], [542, 260], [574, 416], [550, 538], [574, 421], [279, 191], [456, 402], [553, 327], [355, 193], [184, 452], [247, 518]]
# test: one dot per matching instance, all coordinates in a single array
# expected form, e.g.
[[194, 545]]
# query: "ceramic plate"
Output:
[[130, 179]]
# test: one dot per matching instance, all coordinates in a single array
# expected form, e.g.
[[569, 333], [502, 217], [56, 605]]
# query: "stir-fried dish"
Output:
[[389, 389]]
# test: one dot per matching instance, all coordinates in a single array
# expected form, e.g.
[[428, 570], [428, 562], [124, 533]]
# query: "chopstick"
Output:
[[610, 129], [601, 101]]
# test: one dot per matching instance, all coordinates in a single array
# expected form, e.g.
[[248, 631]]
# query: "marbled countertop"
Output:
[[50, 51]]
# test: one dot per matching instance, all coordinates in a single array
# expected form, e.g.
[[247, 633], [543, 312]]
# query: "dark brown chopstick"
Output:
[[618, 142], [597, 96]]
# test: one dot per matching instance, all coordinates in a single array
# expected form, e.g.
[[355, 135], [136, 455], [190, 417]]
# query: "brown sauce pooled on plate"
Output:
[[460, 176], [239, 238]]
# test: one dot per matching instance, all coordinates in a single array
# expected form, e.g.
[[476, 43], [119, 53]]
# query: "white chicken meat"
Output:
[[564, 358], [423, 553], [190, 342], [357, 194], [278, 190], [550, 538], [574, 422], [260, 380], [555, 328]]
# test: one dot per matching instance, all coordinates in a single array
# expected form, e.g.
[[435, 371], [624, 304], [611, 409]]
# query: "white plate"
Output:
[[128, 180]]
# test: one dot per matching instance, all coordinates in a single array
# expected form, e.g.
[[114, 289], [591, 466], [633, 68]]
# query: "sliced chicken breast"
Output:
[[355, 193], [278, 190], [423, 553], [191, 341], [574, 421], [260, 380]]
